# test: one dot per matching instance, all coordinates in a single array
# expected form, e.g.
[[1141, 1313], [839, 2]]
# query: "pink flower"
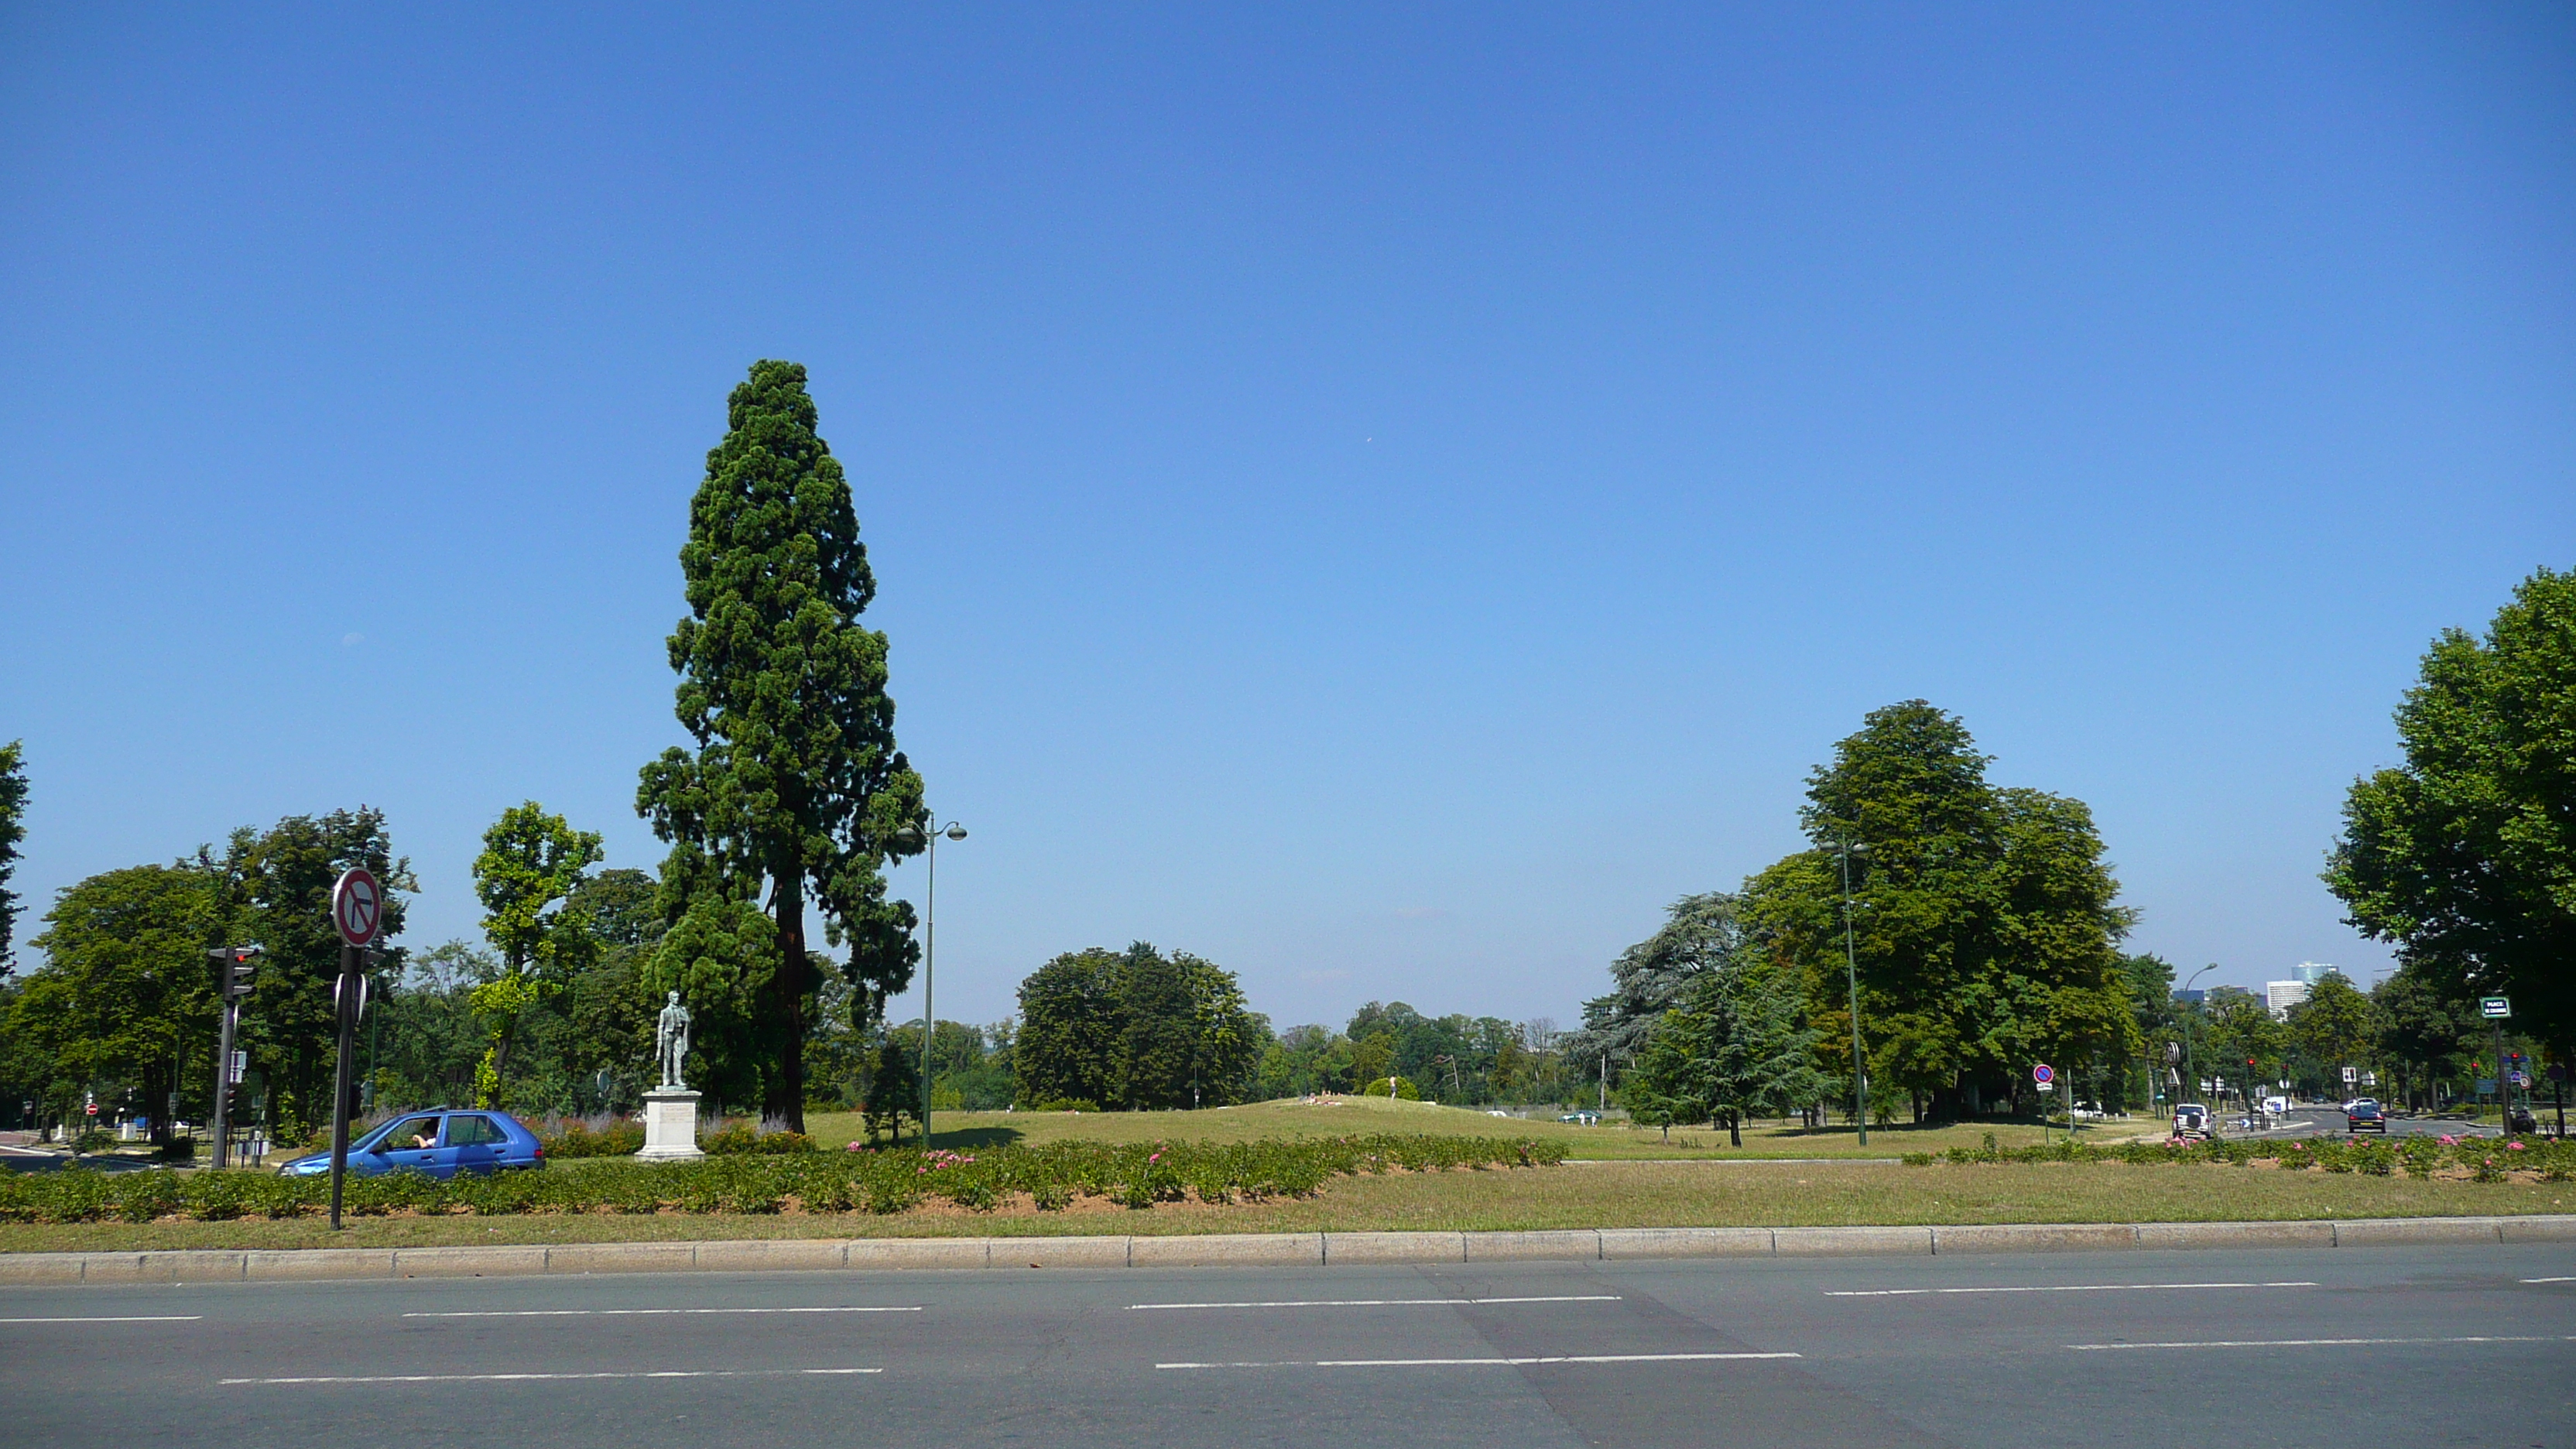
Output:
[[2513, 1147], [2448, 1141]]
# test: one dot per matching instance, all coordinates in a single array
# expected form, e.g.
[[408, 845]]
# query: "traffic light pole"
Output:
[[224, 1076]]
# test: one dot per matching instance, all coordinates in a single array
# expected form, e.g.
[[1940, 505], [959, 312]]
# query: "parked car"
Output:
[[437, 1143], [2364, 1115], [2192, 1120]]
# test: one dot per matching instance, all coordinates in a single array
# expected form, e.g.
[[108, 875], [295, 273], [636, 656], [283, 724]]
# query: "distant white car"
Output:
[[2275, 1106]]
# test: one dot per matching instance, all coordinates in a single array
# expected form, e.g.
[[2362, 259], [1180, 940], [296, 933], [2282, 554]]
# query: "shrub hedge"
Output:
[[2487, 1159], [774, 1180]]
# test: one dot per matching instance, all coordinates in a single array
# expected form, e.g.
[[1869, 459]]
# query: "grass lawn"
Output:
[[1608, 1195], [1341, 1116]]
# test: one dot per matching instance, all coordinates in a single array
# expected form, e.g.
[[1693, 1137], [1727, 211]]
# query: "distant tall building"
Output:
[[2312, 972], [2280, 996], [2194, 996]]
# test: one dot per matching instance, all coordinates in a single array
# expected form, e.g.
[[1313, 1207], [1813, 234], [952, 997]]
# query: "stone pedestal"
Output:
[[670, 1126]]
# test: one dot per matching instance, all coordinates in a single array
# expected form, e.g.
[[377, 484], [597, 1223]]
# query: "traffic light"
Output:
[[236, 966]]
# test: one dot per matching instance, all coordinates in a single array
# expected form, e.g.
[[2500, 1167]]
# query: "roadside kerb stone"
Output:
[[2035, 1238], [184, 1266], [2556, 1228], [1685, 1242], [274, 1264], [43, 1267], [1226, 1250], [1792, 1241], [1057, 1252], [1581, 1243], [917, 1253], [2236, 1235], [1340, 1248], [2369, 1232], [1249, 1249], [494, 1262], [622, 1258], [771, 1255]]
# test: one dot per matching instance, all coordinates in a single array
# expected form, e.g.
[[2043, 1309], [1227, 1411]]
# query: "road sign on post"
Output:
[[2351, 1075], [358, 914], [2043, 1074], [2498, 1007]]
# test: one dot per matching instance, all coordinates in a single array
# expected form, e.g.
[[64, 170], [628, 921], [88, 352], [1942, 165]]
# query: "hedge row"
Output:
[[2487, 1159], [820, 1182]]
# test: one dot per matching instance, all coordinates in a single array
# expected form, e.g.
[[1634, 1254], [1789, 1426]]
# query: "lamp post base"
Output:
[[670, 1127]]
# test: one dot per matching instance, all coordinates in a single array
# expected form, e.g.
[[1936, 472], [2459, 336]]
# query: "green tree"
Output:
[[2423, 1022], [126, 995], [1072, 1027], [2465, 856], [1736, 1046], [531, 864], [894, 1088], [1700, 933], [1985, 921], [2336, 1027], [13, 831], [277, 891], [796, 787]]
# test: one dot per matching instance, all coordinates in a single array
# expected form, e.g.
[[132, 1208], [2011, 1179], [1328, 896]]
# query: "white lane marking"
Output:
[[2328, 1342], [2048, 1288], [533, 1377], [1480, 1362], [130, 1318], [2549, 1280], [638, 1312], [1383, 1302]]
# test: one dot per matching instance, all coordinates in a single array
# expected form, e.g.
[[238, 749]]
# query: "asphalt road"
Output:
[[2348, 1348]]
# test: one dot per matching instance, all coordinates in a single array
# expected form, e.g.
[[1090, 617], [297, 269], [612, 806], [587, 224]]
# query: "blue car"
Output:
[[437, 1143]]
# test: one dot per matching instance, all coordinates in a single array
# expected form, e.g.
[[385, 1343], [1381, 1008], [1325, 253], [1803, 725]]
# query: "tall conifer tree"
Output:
[[796, 791]]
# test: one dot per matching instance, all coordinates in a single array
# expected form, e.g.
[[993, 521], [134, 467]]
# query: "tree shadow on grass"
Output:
[[964, 1137]]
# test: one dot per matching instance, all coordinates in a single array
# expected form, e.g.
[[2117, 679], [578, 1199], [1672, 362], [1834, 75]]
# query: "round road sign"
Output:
[[357, 906], [2043, 1074]]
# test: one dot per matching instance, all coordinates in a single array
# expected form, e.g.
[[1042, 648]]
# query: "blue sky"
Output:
[[1384, 498]]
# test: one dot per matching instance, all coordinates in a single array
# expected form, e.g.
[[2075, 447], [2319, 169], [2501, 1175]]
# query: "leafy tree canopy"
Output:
[[796, 789], [2465, 856]]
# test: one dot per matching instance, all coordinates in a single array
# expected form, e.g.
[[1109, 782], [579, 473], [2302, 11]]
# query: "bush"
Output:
[[1404, 1090], [577, 1138], [179, 1149], [94, 1140]]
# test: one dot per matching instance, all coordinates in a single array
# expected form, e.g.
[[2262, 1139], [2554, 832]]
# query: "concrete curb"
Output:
[[1220, 1250]]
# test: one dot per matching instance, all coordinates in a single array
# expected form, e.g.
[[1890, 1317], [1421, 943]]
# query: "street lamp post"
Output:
[[930, 951], [1844, 851], [2190, 1046]]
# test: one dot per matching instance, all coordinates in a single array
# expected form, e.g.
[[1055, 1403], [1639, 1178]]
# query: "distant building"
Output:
[[2193, 997], [2280, 996]]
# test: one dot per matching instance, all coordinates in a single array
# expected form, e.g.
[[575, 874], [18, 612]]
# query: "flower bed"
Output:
[[1050, 1177], [2480, 1159]]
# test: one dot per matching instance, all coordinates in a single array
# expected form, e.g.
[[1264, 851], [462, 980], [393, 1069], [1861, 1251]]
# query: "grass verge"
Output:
[[1343, 1116]]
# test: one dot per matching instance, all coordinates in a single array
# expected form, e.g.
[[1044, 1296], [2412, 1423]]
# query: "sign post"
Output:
[[2499, 1009], [358, 914], [2044, 1074]]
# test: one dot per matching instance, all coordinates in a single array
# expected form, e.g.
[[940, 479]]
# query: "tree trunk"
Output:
[[783, 1091], [1734, 1129]]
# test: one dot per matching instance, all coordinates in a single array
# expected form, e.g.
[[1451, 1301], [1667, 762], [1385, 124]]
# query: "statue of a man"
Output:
[[671, 1042]]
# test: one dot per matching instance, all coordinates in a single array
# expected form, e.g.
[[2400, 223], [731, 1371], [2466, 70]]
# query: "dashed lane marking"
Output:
[[545, 1378], [1383, 1302], [2048, 1288], [638, 1312], [1479, 1362], [126, 1318], [2328, 1342]]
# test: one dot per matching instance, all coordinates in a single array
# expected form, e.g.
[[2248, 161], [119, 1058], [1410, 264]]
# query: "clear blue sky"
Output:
[[1385, 499]]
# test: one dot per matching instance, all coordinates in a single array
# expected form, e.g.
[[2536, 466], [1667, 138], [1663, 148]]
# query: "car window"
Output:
[[410, 1134], [467, 1129]]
